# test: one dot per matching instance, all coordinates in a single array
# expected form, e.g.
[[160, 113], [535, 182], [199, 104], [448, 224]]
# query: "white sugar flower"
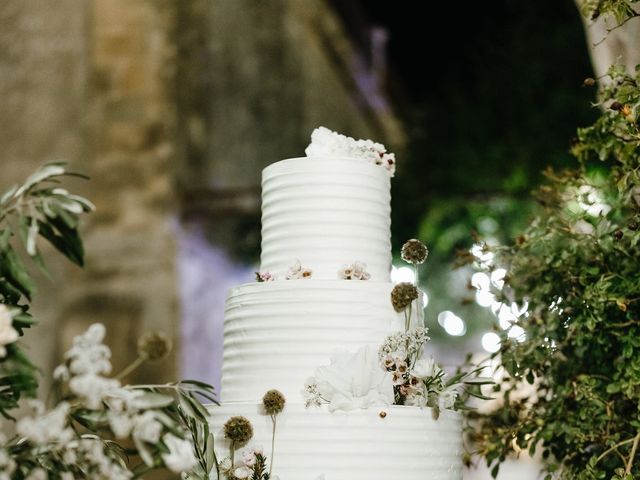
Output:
[[180, 457], [146, 427], [425, 368], [297, 271], [355, 271], [326, 143], [8, 334], [354, 380]]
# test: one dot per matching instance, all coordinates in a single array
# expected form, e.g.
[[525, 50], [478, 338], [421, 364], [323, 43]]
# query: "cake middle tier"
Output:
[[326, 212], [277, 333]]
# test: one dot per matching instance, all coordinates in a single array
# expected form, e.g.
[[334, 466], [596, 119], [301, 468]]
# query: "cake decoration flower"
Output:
[[327, 143], [355, 271], [414, 252], [273, 404], [353, 380], [402, 295], [239, 430], [264, 277], [297, 271]]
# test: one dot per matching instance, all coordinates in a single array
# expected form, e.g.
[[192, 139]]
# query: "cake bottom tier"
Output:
[[378, 443]]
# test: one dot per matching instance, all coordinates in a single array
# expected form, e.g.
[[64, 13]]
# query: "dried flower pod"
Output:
[[154, 346], [414, 251], [616, 106], [589, 82], [382, 414], [273, 402], [618, 234], [239, 430], [402, 295], [633, 225]]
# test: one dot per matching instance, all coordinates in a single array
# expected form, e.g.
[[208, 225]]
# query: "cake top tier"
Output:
[[327, 216]]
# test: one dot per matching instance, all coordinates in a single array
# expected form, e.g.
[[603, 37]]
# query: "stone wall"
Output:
[[173, 108]]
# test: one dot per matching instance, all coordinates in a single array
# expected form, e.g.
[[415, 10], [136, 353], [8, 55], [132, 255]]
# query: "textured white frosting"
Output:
[[407, 444], [326, 212], [277, 333]]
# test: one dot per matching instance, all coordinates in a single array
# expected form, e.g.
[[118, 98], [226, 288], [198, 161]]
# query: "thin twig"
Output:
[[609, 30], [632, 455]]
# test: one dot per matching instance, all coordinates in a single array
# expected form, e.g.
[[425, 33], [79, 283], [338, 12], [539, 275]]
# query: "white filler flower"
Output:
[[8, 334], [180, 457], [355, 380]]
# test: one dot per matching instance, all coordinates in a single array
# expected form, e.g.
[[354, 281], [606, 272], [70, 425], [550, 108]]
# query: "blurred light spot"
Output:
[[452, 323], [491, 342], [591, 201], [403, 274], [425, 299], [485, 298], [519, 311], [506, 317], [483, 257], [517, 332], [497, 277], [480, 280], [487, 225]]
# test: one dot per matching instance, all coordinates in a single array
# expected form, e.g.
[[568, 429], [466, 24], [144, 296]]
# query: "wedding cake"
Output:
[[314, 327]]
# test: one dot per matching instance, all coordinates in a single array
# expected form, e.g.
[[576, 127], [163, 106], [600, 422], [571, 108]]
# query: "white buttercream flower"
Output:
[[425, 368], [146, 427], [180, 457], [354, 380], [8, 334]]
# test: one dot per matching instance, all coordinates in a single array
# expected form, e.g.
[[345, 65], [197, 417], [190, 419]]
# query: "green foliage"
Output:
[[572, 387], [37, 209]]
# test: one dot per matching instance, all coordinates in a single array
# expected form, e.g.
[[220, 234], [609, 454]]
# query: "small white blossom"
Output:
[[425, 368], [146, 427], [180, 457], [355, 271], [8, 334], [297, 271], [61, 373], [50, 427], [92, 388], [311, 394], [447, 398], [121, 424], [37, 474]]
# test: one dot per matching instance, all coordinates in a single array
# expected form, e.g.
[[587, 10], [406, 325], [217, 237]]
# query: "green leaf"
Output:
[[152, 400]]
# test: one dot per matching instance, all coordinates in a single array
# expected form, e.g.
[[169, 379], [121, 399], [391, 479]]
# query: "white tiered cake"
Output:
[[325, 212]]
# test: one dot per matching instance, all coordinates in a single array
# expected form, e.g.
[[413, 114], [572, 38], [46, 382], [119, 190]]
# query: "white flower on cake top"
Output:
[[351, 381], [327, 143]]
